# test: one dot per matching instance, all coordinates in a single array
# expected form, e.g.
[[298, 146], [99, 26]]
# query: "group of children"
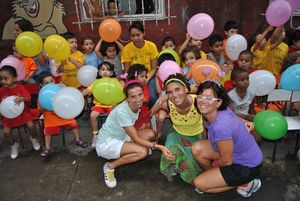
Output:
[[268, 53]]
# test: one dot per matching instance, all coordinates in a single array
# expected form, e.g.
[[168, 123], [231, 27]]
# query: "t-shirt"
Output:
[[92, 59], [29, 65], [40, 67], [51, 119], [191, 80], [142, 55], [119, 117], [212, 57], [228, 126], [241, 105], [117, 64]]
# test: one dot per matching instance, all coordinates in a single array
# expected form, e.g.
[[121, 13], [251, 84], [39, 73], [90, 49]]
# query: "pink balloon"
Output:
[[278, 12], [168, 68], [17, 64], [295, 4], [200, 26]]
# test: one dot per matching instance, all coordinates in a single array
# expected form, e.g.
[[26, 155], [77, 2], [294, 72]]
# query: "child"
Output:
[[111, 52], [189, 41], [90, 56], [139, 72], [189, 56], [53, 124], [9, 87], [105, 69], [230, 28], [168, 43], [241, 99], [295, 46], [29, 65], [112, 8], [69, 67], [216, 46]]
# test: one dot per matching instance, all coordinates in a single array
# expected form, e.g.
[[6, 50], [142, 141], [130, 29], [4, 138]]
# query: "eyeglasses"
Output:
[[208, 99]]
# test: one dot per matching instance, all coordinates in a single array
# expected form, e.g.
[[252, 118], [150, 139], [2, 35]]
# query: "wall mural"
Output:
[[45, 15]]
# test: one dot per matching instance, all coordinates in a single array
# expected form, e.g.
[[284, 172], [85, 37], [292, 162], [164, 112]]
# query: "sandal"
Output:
[[81, 143], [46, 153]]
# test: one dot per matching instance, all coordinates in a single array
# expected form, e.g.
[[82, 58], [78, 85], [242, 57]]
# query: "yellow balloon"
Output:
[[29, 44], [57, 47]]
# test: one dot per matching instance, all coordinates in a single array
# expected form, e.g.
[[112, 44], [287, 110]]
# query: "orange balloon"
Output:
[[206, 70], [110, 30]]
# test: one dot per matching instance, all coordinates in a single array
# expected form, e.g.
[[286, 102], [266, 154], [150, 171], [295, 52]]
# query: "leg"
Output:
[[94, 123], [204, 154], [8, 136], [48, 142], [32, 129], [161, 119], [211, 181]]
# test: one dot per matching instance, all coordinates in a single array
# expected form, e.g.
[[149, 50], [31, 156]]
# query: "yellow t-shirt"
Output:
[[142, 55], [69, 75], [203, 55], [90, 88], [189, 124], [260, 56]]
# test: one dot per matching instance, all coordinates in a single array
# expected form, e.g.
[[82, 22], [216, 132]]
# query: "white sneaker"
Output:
[[94, 141], [35, 144], [109, 176], [255, 184], [14, 151]]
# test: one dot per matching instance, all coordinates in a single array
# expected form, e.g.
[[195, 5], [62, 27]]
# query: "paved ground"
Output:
[[76, 174]]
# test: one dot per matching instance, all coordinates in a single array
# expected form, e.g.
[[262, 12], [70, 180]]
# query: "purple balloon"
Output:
[[278, 12], [295, 4], [200, 26], [17, 64]]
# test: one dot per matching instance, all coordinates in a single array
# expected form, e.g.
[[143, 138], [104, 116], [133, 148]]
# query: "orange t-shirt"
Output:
[[29, 65], [51, 119]]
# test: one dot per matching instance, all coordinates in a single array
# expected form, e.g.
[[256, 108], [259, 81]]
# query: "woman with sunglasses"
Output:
[[236, 157]]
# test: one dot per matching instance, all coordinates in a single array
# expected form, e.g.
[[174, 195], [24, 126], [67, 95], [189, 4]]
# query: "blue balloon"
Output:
[[290, 78], [46, 95]]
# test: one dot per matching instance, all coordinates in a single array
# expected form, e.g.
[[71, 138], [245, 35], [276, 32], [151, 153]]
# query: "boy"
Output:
[[295, 46], [90, 56], [112, 8], [230, 28], [69, 67], [168, 43], [53, 123]]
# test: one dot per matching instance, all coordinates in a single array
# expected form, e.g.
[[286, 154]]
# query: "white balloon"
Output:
[[68, 103], [9, 109], [235, 44], [261, 82], [86, 75]]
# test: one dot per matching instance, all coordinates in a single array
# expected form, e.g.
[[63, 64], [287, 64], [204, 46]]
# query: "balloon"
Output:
[[46, 95], [108, 91], [68, 103], [206, 70], [9, 109], [17, 64], [110, 30], [173, 53], [295, 4], [29, 44], [261, 82], [87, 75], [270, 125], [200, 26], [57, 47], [290, 78], [278, 12], [167, 68], [235, 44]]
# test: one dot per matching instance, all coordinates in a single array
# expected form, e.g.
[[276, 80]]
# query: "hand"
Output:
[[249, 125], [188, 37], [270, 28], [71, 59], [165, 151], [162, 99], [18, 100]]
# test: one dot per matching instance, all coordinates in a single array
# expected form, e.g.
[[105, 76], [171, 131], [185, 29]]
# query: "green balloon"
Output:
[[270, 125], [173, 53], [108, 91]]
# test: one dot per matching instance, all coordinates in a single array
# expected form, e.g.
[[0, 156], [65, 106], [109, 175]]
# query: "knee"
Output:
[[30, 125], [161, 118], [196, 149], [142, 153], [199, 184], [94, 115]]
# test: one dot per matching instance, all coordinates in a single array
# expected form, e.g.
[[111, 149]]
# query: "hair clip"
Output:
[[135, 74], [124, 76]]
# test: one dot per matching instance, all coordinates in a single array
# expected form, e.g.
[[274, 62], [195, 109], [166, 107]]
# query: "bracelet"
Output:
[[153, 146]]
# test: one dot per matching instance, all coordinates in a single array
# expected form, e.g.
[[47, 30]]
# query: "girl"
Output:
[[111, 52], [106, 69], [8, 77], [189, 41], [90, 56]]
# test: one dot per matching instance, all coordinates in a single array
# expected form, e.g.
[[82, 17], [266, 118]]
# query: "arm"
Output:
[[126, 66], [226, 152], [153, 65], [86, 92], [60, 68], [184, 44], [161, 103], [78, 64], [121, 46], [261, 37], [97, 49], [188, 75], [157, 85], [42, 59]]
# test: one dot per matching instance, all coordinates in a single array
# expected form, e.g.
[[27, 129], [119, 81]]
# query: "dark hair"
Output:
[[105, 45], [193, 49], [137, 25], [164, 57], [68, 35], [218, 90], [25, 25], [231, 25], [11, 70], [167, 39], [131, 86], [178, 76], [236, 71], [43, 75], [289, 60], [109, 66], [134, 70], [247, 52], [214, 38], [112, 1], [296, 36], [86, 38]]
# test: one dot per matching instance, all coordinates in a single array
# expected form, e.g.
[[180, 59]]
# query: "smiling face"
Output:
[[208, 103], [135, 98], [177, 93], [7, 80]]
